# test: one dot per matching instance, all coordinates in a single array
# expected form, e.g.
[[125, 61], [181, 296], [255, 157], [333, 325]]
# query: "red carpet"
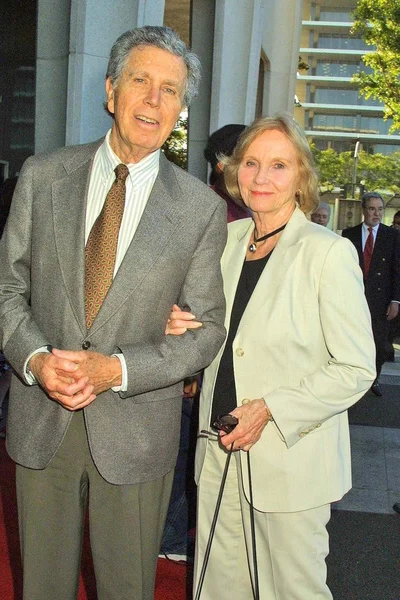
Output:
[[172, 579]]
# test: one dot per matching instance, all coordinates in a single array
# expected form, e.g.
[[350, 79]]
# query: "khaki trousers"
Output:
[[291, 547], [126, 525]]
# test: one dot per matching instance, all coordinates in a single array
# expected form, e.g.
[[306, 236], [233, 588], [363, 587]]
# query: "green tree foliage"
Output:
[[375, 171], [175, 147], [378, 21]]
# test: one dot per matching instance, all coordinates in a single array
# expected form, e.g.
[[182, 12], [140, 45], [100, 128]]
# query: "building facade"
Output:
[[54, 89], [329, 106]]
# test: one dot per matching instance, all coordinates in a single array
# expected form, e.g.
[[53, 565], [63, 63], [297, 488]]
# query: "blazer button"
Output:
[[86, 345], [379, 274], [239, 352]]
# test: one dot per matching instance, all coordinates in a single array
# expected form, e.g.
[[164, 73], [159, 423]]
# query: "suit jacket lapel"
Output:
[[69, 194]]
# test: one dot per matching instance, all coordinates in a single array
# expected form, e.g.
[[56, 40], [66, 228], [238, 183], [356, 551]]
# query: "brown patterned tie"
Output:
[[101, 247]]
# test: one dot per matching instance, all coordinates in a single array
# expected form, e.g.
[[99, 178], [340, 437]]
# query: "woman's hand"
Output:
[[253, 417], [180, 321]]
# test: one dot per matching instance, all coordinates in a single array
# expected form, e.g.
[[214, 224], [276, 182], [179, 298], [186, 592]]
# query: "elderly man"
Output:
[[378, 249], [101, 241], [322, 215]]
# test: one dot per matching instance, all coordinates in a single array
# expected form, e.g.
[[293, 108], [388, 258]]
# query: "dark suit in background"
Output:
[[382, 284]]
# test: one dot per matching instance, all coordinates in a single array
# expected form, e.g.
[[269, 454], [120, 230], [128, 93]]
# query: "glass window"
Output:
[[323, 122], [340, 68], [375, 125], [385, 148], [343, 96], [341, 42], [335, 14]]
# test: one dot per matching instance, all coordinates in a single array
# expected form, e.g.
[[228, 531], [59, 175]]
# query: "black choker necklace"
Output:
[[253, 245]]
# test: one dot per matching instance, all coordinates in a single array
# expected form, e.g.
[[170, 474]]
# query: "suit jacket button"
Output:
[[239, 351], [86, 345], [378, 273]]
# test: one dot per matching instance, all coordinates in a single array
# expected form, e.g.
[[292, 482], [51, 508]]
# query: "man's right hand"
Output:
[[72, 394]]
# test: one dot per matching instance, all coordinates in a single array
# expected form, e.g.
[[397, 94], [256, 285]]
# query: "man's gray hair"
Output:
[[159, 37], [324, 205], [368, 195]]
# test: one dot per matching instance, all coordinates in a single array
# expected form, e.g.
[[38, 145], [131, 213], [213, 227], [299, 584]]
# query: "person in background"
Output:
[[223, 142], [100, 241], [296, 357], [322, 215], [396, 220], [394, 328], [378, 248], [6, 194]]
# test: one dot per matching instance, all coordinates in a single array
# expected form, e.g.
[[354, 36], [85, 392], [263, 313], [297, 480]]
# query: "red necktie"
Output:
[[368, 249]]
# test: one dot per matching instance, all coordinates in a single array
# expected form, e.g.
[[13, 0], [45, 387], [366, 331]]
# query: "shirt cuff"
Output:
[[395, 301], [29, 376], [124, 375]]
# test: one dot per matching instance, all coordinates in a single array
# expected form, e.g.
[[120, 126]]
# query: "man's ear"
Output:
[[110, 95]]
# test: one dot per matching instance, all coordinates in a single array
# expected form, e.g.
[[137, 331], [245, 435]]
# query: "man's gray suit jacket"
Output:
[[174, 257]]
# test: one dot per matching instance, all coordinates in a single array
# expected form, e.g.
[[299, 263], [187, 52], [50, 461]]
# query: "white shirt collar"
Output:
[[374, 228], [141, 171]]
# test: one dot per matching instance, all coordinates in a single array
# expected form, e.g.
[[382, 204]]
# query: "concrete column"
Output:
[[202, 35], [150, 13], [281, 43], [51, 73], [95, 25], [237, 50]]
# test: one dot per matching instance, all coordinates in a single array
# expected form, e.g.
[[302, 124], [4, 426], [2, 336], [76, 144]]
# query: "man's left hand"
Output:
[[104, 372], [392, 311]]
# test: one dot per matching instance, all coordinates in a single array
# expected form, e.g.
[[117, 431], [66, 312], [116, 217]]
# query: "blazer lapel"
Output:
[[278, 265], [69, 195], [232, 261]]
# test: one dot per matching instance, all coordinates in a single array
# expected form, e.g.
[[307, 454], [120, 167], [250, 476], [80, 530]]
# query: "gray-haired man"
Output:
[[95, 406]]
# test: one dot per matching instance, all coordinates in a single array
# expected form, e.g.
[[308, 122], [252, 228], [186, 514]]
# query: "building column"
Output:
[[281, 43], [86, 118], [237, 51], [51, 73], [202, 36]]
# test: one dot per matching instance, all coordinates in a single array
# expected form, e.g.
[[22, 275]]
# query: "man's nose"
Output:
[[153, 96]]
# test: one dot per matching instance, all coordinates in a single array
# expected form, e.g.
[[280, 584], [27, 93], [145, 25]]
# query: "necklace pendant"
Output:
[[252, 248]]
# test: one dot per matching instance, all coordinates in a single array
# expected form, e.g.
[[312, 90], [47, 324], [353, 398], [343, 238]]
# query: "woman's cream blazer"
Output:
[[305, 345]]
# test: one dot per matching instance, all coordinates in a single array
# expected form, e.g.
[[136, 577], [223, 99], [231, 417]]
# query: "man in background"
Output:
[[322, 215], [396, 220], [378, 248], [102, 239], [223, 142]]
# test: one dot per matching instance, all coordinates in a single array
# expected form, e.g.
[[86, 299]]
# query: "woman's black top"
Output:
[[224, 398]]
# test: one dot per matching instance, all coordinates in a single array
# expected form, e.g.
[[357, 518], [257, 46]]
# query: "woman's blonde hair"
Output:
[[307, 195]]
